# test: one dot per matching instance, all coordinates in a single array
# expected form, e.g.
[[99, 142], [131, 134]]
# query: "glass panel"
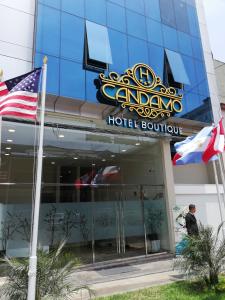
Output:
[[48, 30], [167, 12], [52, 3], [96, 11], [119, 2], [152, 9], [177, 67], [72, 80], [118, 42], [181, 15], [156, 55], [170, 38], [136, 25], [190, 68], [98, 42], [154, 30], [197, 48], [72, 45], [73, 7], [116, 17], [138, 51], [135, 5], [184, 41], [91, 90], [193, 21], [53, 72]]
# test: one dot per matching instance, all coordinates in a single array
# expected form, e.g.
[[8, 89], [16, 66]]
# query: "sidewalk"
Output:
[[116, 280]]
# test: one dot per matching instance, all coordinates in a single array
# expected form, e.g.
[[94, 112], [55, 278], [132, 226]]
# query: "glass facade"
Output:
[[102, 192], [139, 32]]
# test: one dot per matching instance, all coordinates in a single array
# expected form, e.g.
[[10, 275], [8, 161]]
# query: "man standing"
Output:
[[191, 223]]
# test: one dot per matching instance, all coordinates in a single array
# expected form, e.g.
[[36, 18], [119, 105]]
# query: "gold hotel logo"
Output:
[[141, 91]]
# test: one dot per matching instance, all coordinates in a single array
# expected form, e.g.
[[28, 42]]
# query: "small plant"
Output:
[[53, 277], [154, 219], [50, 219], [23, 227], [204, 254], [68, 222], [8, 229]]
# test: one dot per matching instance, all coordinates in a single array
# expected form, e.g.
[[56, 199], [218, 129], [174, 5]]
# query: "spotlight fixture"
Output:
[[75, 158], [11, 130], [9, 141], [61, 135]]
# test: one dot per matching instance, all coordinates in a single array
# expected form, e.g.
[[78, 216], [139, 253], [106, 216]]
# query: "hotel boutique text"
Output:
[[144, 125]]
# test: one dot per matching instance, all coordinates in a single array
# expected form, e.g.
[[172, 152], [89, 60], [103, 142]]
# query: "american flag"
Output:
[[19, 95]]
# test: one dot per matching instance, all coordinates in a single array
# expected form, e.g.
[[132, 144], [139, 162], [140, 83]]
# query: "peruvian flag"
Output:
[[216, 143]]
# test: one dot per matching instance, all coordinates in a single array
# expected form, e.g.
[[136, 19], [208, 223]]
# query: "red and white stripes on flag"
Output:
[[19, 96], [3, 89], [19, 104], [216, 143]]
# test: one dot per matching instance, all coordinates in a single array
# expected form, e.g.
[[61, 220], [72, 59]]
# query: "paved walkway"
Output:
[[126, 278], [118, 279]]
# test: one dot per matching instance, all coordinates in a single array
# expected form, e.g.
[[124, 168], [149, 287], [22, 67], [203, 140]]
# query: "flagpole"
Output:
[[218, 192], [1, 77], [32, 272]]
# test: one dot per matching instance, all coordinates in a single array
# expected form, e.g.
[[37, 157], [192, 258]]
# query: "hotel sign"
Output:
[[141, 91]]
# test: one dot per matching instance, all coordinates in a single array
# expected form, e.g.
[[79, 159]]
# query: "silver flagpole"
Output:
[[222, 176], [1, 77], [32, 273], [218, 193]]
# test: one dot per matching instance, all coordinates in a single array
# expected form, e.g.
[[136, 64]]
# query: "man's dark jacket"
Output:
[[191, 224]]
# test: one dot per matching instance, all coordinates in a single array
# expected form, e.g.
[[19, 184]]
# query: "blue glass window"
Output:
[[167, 12], [197, 48], [72, 37], [135, 5], [193, 101], [184, 41], [118, 42], [201, 81], [120, 2], [116, 17], [96, 11], [48, 30], [138, 51], [152, 9], [181, 15], [53, 72], [90, 86], [154, 30], [190, 68], [177, 67], [72, 80], [136, 25], [73, 7], [156, 58], [170, 38], [193, 21], [52, 3], [98, 43]]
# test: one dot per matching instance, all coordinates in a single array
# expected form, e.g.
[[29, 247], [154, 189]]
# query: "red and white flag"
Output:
[[216, 143], [19, 95]]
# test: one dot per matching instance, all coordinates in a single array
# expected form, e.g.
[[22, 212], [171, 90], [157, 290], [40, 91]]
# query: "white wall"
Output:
[[191, 174], [16, 36], [208, 61], [206, 201]]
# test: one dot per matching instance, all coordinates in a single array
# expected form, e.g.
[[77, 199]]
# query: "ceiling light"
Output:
[[124, 150], [137, 144], [11, 130], [9, 141], [93, 165], [113, 155], [61, 135], [53, 163], [8, 148], [103, 159], [7, 154], [75, 158]]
